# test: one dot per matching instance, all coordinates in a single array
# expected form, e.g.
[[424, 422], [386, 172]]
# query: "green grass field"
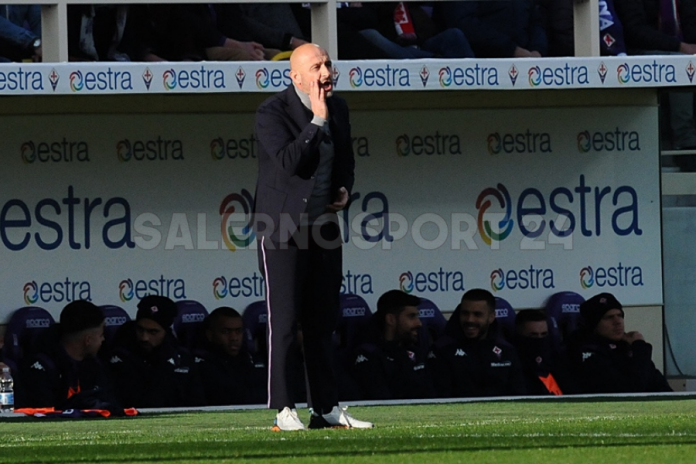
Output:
[[580, 431]]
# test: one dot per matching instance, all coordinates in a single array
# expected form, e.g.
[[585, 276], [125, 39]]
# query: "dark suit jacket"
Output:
[[288, 153], [640, 20]]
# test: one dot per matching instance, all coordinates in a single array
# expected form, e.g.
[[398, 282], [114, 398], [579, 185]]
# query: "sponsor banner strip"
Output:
[[209, 77]]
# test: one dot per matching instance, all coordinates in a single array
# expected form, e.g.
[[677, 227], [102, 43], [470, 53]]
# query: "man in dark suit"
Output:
[[306, 169]]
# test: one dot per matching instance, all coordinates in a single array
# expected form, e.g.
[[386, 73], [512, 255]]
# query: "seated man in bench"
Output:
[[607, 358]]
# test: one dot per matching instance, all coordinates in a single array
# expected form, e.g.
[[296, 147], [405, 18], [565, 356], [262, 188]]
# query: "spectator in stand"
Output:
[[148, 367], [188, 32], [160, 32], [468, 360], [499, 28], [66, 373], [608, 359], [389, 366], [214, 44], [407, 30], [18, 43], [665, 27], [557, 18], [230, 375], [26, 16], [545, 370], [98, 33], [273, 25], [351, 18]]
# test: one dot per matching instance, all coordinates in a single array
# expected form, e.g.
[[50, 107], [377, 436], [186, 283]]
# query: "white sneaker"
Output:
[[339, 417], [287, 420]]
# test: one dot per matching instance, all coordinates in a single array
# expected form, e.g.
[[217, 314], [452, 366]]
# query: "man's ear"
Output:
[[390, 319], [295, 76]]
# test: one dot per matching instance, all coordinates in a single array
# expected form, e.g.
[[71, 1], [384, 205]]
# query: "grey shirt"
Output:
[[321, 195]]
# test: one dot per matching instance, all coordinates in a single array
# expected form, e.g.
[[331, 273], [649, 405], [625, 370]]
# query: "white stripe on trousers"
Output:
[[268, 312]]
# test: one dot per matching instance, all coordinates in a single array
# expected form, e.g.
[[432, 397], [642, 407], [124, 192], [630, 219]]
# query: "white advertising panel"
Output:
[[523, 202], [374, 75]]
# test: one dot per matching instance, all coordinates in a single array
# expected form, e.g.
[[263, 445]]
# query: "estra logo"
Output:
[[242, 148], [356, 283], [220, 287], [57, 151], [355, 77], [470, 76], [383, 76], [648, 73], [497, 280], [239, 286], [158, 149], [431, 281], [428, 144], [586, 277], [406, 282], [125, 290], [275, 78], [174, 288], [616, 140], [522, 279], [59, 220], [558, 76], [31, 293], [59, 291], [581, 206], [201, 78], [21, 79], [505, 225], [108, 80], [618, 275], [519, 142], [241, 204]]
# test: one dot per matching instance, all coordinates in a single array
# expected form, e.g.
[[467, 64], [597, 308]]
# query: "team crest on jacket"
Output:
[[38, 366], [497, 351], [411, 356]]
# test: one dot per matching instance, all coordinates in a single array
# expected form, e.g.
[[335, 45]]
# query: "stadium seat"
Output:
[[352, 325], [188, 324], [504, 319], [255, 319], [563, 312], [23, 330], [432, 319], [114, 317]]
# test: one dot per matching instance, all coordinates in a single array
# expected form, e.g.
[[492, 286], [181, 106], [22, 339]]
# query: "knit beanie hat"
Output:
[[160, 309], [596, 307]]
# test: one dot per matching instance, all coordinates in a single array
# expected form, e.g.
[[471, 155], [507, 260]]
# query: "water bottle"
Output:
[[6, 391]]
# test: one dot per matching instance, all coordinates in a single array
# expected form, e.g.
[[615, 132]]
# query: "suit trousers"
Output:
[[303, 282]]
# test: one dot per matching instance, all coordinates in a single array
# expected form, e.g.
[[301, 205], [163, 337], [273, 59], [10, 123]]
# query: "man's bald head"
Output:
[[304, 52], [311, 63]]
